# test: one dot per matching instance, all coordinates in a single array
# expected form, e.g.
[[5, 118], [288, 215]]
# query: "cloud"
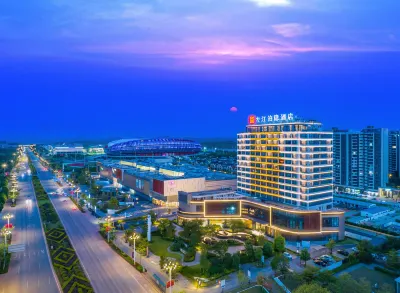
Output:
[[267, 3], [291, 30]]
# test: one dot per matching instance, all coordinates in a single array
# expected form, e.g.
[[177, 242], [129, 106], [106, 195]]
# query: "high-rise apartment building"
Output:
[[361, 158], [394, 153], [286, 160]]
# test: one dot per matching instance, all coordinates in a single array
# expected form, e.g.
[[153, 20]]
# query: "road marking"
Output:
[[27, 284], [49, 279], [19, 268], [38, 282], [42, 251]]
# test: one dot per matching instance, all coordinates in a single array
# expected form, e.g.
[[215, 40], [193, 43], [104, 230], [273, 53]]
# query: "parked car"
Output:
[[355, 249], [287, 255], [319, 262], [343, 252]]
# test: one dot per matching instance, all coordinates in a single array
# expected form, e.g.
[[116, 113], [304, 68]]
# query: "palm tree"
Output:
[[330, 245]]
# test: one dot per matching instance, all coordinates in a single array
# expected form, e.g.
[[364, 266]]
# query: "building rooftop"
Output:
[[166, 171]]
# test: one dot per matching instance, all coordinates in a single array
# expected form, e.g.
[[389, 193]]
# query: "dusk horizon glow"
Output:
[[174, 68]]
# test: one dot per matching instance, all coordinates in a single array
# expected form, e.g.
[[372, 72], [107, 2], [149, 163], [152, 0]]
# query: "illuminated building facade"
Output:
[[284, 182], [285, 160]]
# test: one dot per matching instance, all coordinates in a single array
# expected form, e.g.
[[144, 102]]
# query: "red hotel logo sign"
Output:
[[252, 119]]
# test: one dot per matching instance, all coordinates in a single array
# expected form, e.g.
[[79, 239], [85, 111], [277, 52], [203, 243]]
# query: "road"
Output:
[[29, 271], [107, 271]]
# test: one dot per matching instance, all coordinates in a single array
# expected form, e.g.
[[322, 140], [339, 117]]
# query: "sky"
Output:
[[101, 69]]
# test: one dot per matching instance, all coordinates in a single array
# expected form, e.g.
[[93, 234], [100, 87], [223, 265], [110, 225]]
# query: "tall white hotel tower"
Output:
[[286, 160]]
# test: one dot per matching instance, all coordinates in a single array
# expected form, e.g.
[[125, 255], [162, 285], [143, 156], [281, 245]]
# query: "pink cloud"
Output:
[[291, 30]]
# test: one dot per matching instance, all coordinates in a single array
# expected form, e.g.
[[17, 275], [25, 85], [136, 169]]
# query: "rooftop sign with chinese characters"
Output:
[[253, 119]]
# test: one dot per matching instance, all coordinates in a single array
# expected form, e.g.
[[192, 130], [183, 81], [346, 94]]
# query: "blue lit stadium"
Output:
[[153, 147]]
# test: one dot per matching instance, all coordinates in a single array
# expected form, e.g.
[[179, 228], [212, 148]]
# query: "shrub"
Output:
[[386, 271]]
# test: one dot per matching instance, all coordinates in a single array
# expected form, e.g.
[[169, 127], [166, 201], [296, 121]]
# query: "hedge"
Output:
[[118, 250], [65, 262], [386, 271]]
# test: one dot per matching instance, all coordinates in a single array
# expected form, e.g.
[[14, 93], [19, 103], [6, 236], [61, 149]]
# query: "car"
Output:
[[64, 200], [74, 208], [355, 249], [287, 255], [343, 252], [319, 262]]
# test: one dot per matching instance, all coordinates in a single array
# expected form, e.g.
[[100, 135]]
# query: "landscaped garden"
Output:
[[65, 261]]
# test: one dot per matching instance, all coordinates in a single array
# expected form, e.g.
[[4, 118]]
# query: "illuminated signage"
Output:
[[253, 119]]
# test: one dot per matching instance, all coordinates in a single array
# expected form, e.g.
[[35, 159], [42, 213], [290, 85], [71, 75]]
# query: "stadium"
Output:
[[158, 147]]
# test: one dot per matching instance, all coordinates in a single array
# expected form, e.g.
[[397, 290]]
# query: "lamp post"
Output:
[[7, 217], [108, 219], [6, 232], [4, 165], [133, 237], [169, 266]]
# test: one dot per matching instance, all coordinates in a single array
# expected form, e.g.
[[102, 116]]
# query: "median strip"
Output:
[[63, 256]]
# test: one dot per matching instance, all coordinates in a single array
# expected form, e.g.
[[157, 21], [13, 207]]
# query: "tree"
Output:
[[280, 264], [309, 275], [205, 264], [305, 256], [235, 261], [393, 260], [236, 225], [249, 248], [364, 251], [113, 203], [153, 216], [279, 244], [241, 277], [326, 277], [330, 245], [81, 202], [162, 262], [166, 228], [310, 288], [221, 248], [210, 230], [258, 253], [261, 240], [227, 261], [386, 288], [83, 196], [267, 250]]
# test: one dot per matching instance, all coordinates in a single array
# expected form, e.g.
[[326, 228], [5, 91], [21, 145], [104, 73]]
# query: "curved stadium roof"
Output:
[[153, 147]]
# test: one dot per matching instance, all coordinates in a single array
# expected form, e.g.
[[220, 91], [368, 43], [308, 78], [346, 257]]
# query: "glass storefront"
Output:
[[296, 221], [222, 208], [255, 212]]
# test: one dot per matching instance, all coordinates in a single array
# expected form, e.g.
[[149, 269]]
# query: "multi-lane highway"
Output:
[[29, 271], [107, 271]]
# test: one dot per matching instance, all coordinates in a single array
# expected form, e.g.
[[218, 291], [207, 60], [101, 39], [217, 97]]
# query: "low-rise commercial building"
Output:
[[218, 206]]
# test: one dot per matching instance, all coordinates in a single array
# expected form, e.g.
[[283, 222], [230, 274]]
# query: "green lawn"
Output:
[[191, 272], [373, 276], [159, 247], [254, 289]]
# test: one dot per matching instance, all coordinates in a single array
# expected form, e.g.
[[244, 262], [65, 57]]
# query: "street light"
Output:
[[169, 266], [6, 232], [108, 219], [7, 217], [4, 168], [134, 237]]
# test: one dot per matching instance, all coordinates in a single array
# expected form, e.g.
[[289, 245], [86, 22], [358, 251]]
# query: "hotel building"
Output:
[[284, 182]]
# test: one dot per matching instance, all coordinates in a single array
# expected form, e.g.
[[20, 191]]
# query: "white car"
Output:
[[288, 255]]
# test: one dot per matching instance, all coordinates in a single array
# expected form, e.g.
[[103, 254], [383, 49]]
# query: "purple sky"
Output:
[[195, 59]]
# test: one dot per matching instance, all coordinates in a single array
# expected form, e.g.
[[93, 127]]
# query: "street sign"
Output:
[[16, 248]]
